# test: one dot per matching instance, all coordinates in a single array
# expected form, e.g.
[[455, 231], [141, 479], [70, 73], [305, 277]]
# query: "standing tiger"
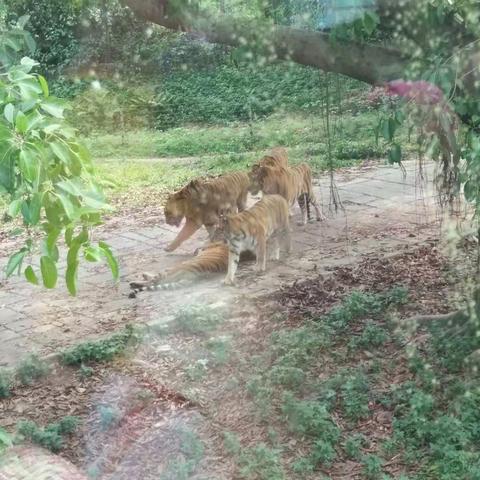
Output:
[[210, 259], [201, 201], [249, 231], [276, 158], [292, 183]]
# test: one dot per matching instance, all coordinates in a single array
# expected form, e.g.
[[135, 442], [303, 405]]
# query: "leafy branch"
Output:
[[46, 174]]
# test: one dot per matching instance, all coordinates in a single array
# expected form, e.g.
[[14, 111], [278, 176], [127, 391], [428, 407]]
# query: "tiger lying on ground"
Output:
[[201, 201], [292, 183], [210, 260], [249, 231]]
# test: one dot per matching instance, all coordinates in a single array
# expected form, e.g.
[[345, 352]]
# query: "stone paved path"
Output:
[[383, 212]]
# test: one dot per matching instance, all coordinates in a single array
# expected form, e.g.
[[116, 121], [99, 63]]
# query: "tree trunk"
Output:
[[372, 64]]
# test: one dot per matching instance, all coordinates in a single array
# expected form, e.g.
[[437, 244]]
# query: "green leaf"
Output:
[[9, 112], [61, 151], [31, 276], [70, 187], [470, 190], [29, 165], [28, 63], [49, 272], [15, 262], [71, 277], [370, 21], [111, 260], [67, 205], [395, 154], [92, 254], [51, 248], [21, 123], [14, 207], [35, 207], [44, 85], [392, 126], [54, 107], [22, 21]]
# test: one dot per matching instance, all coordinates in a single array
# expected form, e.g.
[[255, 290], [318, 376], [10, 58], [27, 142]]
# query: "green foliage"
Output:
[[197, 370], [47, 176], [31, 369], [51, 436], [372, 467], [260, 463], [353, 446], [15, 41], [220, 349], [101, 350], [109, 416], [197, 319], [228, 93], [372, 336], [291, 378], [192, 452], [6, 382], [107, 107], [309, 418], [85, 372], [6, 440]]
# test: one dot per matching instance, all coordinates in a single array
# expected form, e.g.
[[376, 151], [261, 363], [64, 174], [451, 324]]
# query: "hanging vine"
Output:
[[335, 202]]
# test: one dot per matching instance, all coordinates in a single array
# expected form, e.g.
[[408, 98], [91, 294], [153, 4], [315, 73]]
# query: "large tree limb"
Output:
[[372, 64]]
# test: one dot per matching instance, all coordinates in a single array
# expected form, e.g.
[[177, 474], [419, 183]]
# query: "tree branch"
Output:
[[372, 64]]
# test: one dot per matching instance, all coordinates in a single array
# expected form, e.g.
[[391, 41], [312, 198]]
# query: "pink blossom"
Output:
[[422, 92]]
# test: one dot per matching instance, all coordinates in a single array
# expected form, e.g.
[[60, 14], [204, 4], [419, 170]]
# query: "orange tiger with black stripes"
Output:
[[202, 200], [292, 183], [267, 220]]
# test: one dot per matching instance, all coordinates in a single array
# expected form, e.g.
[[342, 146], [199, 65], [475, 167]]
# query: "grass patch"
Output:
[[101, 350], [218, 149]]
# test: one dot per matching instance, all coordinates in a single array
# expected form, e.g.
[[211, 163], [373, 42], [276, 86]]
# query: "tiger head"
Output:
[[177, 203], [257, 176], [255, 181]]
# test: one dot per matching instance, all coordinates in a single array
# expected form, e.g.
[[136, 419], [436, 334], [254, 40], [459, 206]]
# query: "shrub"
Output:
[[100, 350], [309, 418], [353, 445], [31, 369], [50, 437], [109, 416], [6, 382], [355, 397], [372, 467], [197, 319]]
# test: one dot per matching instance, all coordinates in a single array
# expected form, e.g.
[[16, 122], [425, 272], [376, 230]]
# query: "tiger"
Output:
[[200, 202], [209, 260], [249, 231], [277, 158], [292, 183]]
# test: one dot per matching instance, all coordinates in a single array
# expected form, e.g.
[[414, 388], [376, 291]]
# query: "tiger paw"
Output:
[[227, 282], [169, 248]]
